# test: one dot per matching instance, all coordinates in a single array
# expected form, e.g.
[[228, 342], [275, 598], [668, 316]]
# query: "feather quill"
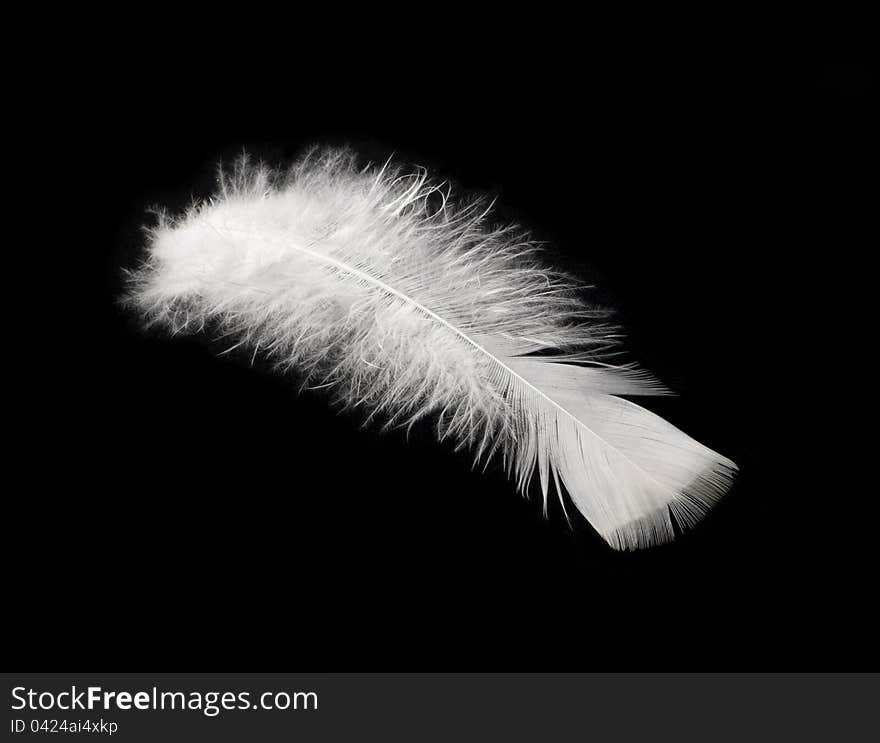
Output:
[[374, 282]]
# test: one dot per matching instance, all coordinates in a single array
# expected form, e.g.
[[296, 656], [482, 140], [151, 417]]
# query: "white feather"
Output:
[[373, 282]]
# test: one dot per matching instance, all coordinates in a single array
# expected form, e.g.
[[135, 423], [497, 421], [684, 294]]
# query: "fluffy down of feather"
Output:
[[375, 283]]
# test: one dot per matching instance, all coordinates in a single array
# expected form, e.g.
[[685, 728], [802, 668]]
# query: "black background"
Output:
[[173, 507]]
